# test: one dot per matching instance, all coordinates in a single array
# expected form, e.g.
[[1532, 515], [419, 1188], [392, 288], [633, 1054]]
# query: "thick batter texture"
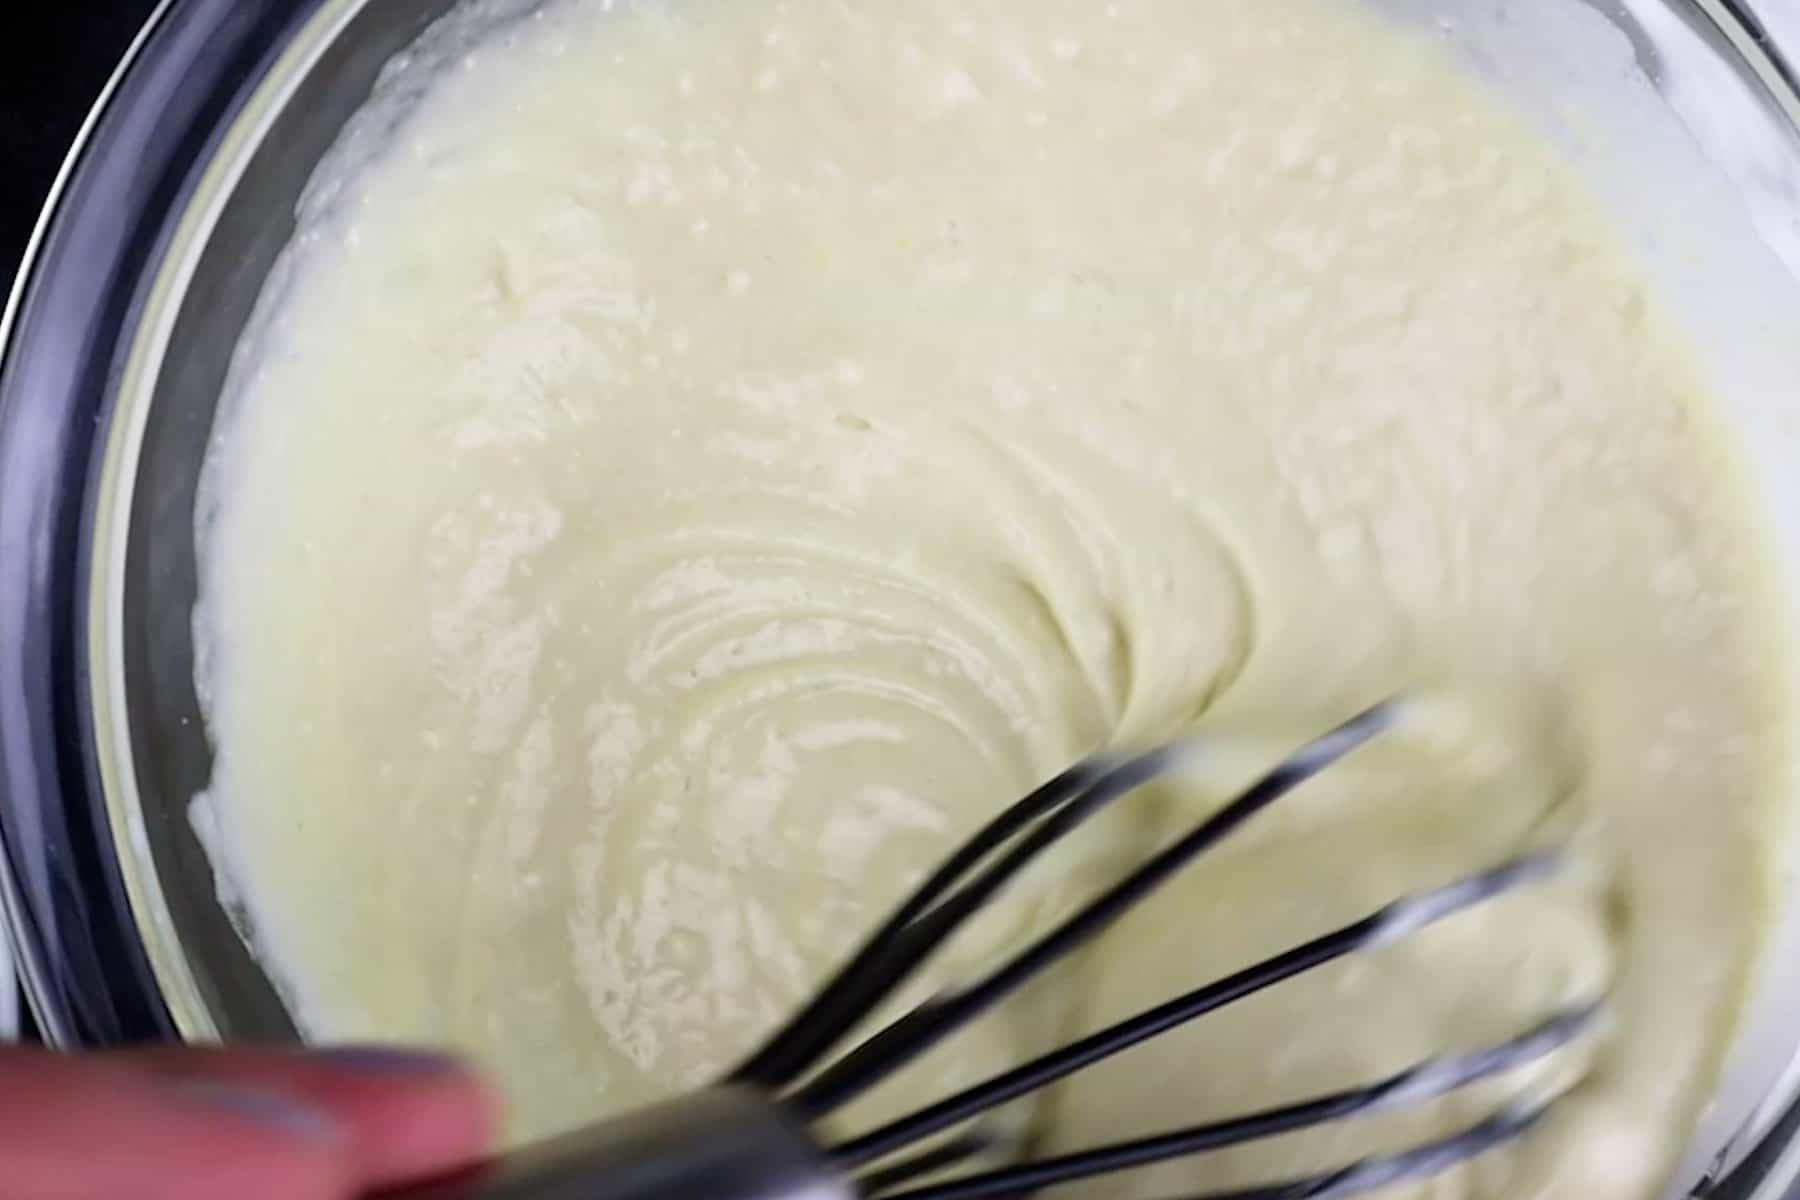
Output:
[[708, 457]]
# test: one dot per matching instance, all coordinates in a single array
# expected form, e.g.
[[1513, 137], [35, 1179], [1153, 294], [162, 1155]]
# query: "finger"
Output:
[[407, 1115], [92, 1129]]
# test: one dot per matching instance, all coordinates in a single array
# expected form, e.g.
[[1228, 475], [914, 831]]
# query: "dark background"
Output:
[[55, 57]]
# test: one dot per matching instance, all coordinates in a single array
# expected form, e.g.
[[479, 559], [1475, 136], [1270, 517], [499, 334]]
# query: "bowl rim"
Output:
[[82, 332], [71, 320]]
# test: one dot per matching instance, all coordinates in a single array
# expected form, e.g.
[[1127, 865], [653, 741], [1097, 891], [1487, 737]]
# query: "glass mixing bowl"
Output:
[[164, 231]]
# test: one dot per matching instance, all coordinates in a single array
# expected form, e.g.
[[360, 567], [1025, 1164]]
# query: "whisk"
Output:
[[756, 1135]]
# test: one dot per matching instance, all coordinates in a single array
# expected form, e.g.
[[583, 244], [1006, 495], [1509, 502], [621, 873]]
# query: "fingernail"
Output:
[[283, 1113], [391, 1060]]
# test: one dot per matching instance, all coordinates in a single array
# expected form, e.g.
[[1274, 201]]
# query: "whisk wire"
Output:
[[1427, 1080], [1410, 913], [925, 1026], [890, 1158], [1368, 1175], [939, 907], [928, 1162], [846, 998]]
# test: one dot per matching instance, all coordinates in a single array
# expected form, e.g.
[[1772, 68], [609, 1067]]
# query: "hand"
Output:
[[195, 1124]]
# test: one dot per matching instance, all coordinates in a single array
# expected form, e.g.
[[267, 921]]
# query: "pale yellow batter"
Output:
[[718, 453]]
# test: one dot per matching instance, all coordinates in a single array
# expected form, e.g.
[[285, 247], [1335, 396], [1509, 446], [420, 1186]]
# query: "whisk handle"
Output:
[[726, 1143]]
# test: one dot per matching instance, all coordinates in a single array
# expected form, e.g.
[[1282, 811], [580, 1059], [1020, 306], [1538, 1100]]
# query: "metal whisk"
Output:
[[753, 1136]]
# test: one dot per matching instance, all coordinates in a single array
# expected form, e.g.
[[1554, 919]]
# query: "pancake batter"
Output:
[[703, 458]]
